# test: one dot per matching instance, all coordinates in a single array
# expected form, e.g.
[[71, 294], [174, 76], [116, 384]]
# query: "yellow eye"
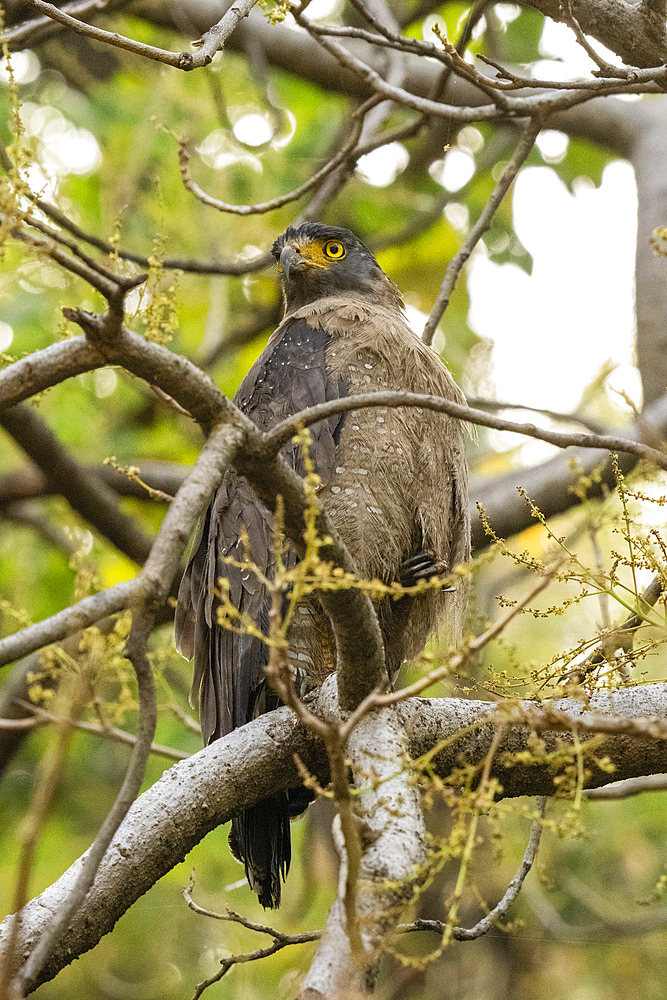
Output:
[[334, 249]]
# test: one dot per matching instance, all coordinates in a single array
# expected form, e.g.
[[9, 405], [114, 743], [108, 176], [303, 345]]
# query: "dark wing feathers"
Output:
[[289, 376]]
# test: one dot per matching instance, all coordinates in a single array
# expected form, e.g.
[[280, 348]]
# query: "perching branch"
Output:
[[198, 794]]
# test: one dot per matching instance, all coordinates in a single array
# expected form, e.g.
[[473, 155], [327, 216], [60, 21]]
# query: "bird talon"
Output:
[[422, 566]]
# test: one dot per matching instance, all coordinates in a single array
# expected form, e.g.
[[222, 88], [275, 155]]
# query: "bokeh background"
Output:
[[543, 316]]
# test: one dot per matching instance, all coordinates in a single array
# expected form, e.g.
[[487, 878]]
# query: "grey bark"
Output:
[[635, 30], [198, 794], [393, 837], [648, 157]]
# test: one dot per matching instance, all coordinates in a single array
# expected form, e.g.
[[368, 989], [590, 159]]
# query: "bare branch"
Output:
[[40, 716], [541, 104], [345, 154], [636, 33], [501, 908], [286, 429], [551, 484], [50, 366], [523, 148], [112, 287], [566, 418], [79, 616], [212, 42], [86, 494], [31, 32], [629, 787], [216, 36], [280, 940]]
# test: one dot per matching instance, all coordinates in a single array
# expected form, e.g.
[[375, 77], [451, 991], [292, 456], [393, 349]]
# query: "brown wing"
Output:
[[290, 375]]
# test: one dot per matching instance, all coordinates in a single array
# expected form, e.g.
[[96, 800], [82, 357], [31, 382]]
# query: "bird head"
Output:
[[316, 261]]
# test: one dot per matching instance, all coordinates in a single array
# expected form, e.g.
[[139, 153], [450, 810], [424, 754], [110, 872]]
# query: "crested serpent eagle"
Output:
[[393, 481]]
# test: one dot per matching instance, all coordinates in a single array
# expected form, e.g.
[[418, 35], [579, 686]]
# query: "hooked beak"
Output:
[[290, 261]]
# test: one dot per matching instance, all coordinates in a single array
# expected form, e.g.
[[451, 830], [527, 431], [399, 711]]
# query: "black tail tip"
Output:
[[260, 839]]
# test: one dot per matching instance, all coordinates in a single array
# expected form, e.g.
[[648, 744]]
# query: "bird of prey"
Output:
[[393, 481]]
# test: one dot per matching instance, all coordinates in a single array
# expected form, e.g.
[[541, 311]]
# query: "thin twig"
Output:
[[498, 912], [621, 636], [482, 403], [539, 104], [262, 207], [41, 717], [601, 63], [523, 148], [136, 653]]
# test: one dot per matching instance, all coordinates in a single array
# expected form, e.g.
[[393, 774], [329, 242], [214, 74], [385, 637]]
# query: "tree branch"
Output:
[[212, 42], [198, 794], [551, 485], [79, 616], [45, 368], [92, 499], [286, 429], [635, 32]]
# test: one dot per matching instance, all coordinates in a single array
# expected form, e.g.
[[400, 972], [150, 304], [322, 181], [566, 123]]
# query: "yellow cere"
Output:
[[319, 253]]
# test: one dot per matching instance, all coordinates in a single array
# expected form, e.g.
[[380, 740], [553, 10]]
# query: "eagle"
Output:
[[393, 481]]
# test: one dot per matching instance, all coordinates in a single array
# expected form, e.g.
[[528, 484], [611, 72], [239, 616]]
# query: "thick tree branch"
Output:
[[45, 368], [198, 794], [393, 835]]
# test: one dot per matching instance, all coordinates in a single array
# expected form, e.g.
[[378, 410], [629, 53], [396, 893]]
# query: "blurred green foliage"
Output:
[[134, 196]]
